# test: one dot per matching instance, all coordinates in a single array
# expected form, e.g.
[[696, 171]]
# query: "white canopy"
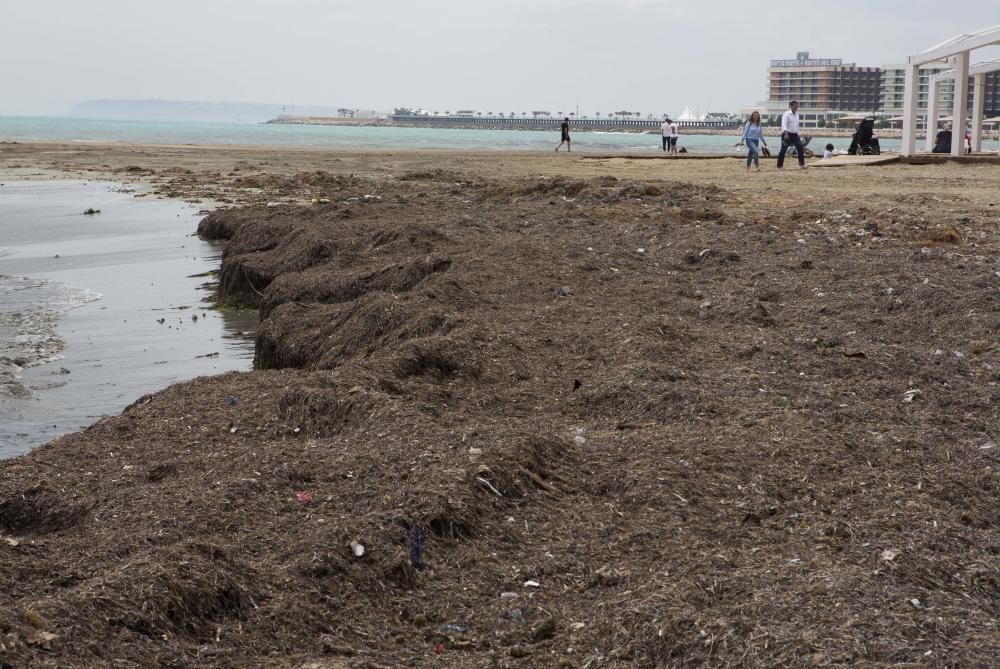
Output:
[[957, 51], [688, 115]]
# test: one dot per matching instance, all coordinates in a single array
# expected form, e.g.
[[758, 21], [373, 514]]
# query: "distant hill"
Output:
[[180, 110]]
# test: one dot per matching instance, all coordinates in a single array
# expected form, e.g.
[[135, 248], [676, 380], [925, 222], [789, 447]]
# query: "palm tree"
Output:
[[597, 115]]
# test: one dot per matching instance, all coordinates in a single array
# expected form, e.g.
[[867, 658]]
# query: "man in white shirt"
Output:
[[665, 132], [790, 135]]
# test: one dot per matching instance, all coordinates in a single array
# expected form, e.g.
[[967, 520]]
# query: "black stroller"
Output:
[[864, 142]]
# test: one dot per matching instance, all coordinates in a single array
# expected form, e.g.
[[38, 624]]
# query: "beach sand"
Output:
[[540, 410]]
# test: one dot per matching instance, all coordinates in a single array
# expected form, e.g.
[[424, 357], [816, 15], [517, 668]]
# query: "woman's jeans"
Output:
[[752, 155]]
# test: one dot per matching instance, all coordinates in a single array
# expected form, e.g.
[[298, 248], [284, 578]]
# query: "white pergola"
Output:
[[957, 50]]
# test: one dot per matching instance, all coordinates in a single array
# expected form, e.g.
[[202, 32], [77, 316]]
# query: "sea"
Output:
[[67, 129]]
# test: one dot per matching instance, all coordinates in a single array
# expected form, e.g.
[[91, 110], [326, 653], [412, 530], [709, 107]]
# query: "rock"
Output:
[[419, 619]]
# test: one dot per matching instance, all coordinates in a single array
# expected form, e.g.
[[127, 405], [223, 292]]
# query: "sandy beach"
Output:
[[539, 410]]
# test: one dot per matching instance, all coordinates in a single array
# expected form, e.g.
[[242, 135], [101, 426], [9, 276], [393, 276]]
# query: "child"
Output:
[[829, 151]]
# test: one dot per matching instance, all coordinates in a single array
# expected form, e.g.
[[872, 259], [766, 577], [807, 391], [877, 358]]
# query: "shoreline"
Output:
[[450, 440], [69, 306]]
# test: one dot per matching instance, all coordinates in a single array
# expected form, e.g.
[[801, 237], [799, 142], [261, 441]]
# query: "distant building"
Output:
[[894, 84], [826, 89], [824, 83]]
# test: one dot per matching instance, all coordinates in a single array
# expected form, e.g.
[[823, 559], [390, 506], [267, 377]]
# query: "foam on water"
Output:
[[29, 311]]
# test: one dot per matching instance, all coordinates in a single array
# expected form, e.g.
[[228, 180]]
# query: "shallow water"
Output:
[[81, 298]]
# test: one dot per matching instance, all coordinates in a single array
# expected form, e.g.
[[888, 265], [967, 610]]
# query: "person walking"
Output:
[[753, 136], [665, 132], [790, 135], [674, 134], [564, 128]]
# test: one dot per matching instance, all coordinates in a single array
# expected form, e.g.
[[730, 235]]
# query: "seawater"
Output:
[[97, 310], [68, 129], [29, 311]]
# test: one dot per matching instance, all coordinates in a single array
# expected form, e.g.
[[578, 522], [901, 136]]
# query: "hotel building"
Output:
[[828, 88]]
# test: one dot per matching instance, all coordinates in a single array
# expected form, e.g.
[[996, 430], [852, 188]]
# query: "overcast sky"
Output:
[[651, 56]]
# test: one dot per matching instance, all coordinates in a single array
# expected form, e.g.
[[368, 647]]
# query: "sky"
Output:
[[649, 56]]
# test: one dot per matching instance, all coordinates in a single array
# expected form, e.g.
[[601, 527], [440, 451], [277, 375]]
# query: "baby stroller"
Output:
[[864, 142]]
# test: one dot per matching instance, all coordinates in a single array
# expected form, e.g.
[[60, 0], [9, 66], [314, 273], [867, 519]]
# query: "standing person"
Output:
[[665, 132], [674, 134], [753, 136], [790, 135], [564, 128]]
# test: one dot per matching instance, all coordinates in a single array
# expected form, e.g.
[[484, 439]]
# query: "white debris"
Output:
[[889, 554]]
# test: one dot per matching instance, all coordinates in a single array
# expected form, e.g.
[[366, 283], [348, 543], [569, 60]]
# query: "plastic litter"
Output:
[[304, 496], [232, 400], [889, 554], [515, 614], [357, 549], [416, 545]]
